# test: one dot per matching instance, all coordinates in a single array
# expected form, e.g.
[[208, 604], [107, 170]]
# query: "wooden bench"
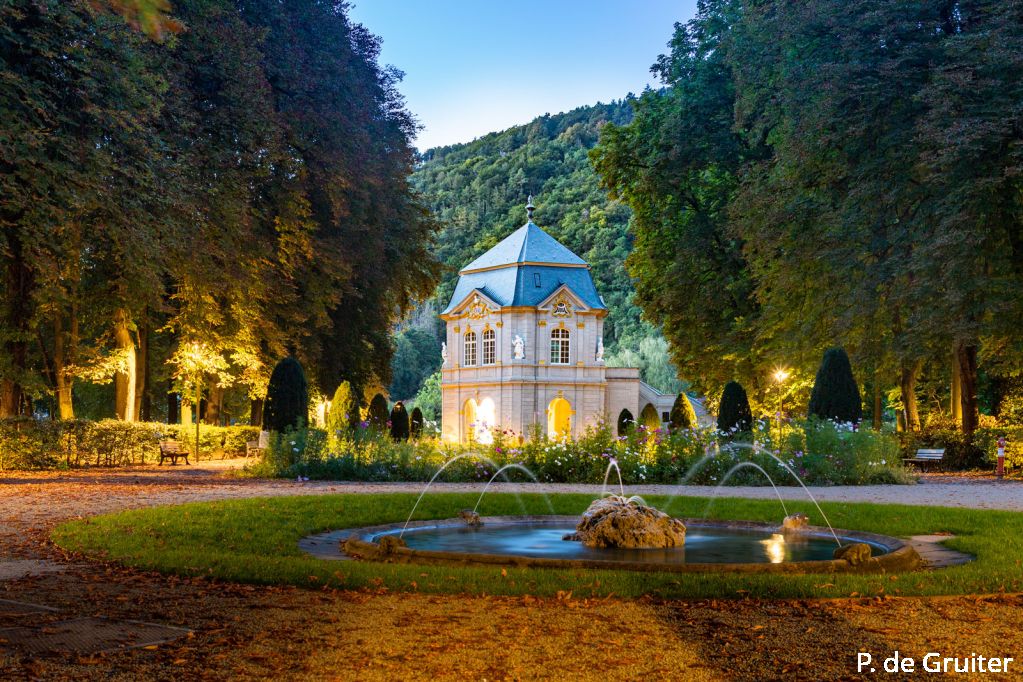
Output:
[[926, 456], [172, 450], [256, 447]]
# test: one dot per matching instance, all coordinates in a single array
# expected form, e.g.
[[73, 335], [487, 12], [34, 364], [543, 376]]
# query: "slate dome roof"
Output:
[[525, 268]]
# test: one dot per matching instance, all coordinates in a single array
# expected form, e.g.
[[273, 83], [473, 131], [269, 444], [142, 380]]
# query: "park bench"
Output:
[[926, 456], [256, 447], [172, 450]]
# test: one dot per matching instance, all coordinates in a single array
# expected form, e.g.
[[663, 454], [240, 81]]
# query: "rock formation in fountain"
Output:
[[856, 553], [617, 521], [471, 517], [795, 522]]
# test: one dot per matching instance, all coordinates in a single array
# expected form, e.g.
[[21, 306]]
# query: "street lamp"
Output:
[[780, 375]]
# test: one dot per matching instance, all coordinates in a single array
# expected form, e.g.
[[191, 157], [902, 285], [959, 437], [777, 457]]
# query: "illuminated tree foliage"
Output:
[[241, 183]]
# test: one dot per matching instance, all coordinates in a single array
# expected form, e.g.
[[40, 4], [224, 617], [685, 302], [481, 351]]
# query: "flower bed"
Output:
[[820, 453]]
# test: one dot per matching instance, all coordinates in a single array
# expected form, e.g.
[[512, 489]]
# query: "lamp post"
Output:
[[780, 375]]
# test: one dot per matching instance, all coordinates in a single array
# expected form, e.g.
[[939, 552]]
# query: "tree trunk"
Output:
[[18, 296], [124, 382], [214, 404], [877, 401], [141, 374], [956, 403], [907, 384], [172, 407], [256, 412], [62, 382], [967, 357]]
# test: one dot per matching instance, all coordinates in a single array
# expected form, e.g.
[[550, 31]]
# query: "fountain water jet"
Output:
[[497, 473], [728, 474], [434, 478], [607, 474], [757, 448]]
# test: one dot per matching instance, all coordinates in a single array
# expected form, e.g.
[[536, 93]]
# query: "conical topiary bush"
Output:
[[682, 416], [378, 412], [343, 415], [399, 422], [287, 397], [734, 414], [835, 394], [416, 423]]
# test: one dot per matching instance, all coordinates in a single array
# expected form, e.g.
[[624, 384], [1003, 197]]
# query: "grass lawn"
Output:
[[255, 540]]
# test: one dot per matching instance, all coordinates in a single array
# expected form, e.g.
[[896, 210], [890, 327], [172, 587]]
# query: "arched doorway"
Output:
[[626, 422], [469, 420], [486, 419], [649, 417], [559, 418], [478, 420]]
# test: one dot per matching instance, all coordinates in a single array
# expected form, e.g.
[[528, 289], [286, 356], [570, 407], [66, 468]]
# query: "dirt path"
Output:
[[246, 632]]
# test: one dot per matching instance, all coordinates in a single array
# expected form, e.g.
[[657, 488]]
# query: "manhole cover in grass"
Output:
[[86, 635]]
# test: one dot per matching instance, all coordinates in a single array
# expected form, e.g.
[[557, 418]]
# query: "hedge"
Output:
[[27, 443]]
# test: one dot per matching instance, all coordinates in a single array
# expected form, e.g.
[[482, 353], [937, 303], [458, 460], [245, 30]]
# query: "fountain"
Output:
[[627, 522], [625, 533]]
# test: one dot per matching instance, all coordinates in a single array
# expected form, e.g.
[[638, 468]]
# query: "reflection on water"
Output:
[[704, 544], [775, 546]]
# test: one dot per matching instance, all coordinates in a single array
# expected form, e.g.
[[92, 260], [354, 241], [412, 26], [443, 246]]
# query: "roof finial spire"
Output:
[[530, 208]]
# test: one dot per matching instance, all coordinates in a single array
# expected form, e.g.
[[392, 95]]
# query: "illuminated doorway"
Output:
[[559, 418]]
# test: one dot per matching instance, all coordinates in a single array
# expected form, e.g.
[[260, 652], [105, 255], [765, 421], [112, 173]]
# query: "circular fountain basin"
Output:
[[709, 546]]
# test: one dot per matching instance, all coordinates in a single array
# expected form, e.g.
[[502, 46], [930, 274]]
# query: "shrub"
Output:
[[26, 443], [399, 423], [287, 397], [734, 414], [683, 416], [343, 415], [377, 413], [835, 394], [416, 423]]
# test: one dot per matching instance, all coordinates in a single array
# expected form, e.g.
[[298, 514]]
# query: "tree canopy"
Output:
[[240, 186], [822, 173]]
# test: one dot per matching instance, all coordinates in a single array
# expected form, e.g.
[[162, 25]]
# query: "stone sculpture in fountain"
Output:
[[627, 522]]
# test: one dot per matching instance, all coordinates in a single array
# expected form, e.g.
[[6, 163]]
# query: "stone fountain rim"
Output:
[[361, 543]]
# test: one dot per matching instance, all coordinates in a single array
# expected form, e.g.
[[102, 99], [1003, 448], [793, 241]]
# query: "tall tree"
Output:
[[676, 166]]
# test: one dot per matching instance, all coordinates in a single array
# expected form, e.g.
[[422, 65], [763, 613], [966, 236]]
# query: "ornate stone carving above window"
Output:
[[561, 307], [478, 309]]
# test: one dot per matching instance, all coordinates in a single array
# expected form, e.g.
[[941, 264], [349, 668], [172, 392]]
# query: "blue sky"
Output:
[[476, 66]]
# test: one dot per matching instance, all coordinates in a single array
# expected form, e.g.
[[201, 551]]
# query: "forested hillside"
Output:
[[478, 191]]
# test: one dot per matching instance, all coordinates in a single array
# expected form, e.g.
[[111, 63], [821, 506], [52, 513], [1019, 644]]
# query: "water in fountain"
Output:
[[621, 486], [757, 448], [503, 469], [710, 454], [434, 478], [728, 474]]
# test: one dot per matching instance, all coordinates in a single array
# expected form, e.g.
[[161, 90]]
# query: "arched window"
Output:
[[626, 424], [489, 347], [559, 346], [469, 354]]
